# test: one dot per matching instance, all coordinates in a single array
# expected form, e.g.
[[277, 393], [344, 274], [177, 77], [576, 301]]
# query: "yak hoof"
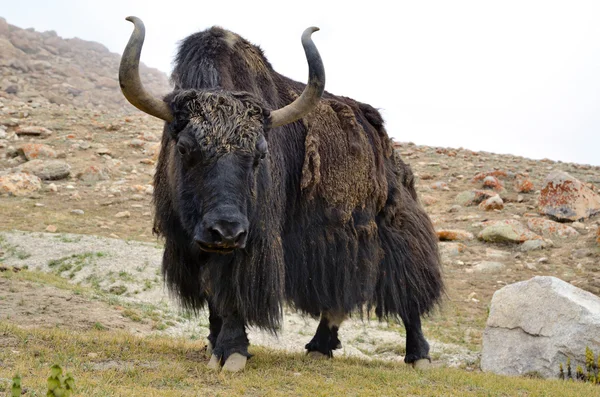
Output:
[[235, 363], [423, 363], [214, 362], [209, 349], [317, 355]]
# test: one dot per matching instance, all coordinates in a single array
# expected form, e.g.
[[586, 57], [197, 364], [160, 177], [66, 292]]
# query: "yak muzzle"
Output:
[[222, 235]]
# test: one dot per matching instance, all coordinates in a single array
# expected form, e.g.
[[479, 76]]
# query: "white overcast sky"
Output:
[[519, 77]]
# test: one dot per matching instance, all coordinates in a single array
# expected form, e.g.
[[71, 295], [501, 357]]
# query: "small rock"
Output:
[[123, 214], [451, 249], [491, 182], [103, 151], [474, 197], [496, 254], [578, 225], [493, 203], [454, 208], [136, 143], [543, 260], [51, 229], [77, 212], [94, 173], [33, 151], [551, 228], [532, 245], [31, 130], [440, 186], [489, 267], [428, 200], [52, 188], [453, 235], [523, 185], [49, 170]]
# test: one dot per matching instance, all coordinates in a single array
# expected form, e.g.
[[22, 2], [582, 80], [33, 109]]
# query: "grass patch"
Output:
[[122, 364]]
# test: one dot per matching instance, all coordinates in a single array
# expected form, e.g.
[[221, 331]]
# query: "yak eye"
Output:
[[182, 150], [262, 147]]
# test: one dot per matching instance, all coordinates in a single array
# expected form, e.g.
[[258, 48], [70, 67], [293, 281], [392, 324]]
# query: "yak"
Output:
[[270, 192]]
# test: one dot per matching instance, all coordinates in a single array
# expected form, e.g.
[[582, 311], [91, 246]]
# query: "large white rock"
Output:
[[535, 324]]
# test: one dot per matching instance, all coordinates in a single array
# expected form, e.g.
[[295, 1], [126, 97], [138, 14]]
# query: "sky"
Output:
[[518, 77]]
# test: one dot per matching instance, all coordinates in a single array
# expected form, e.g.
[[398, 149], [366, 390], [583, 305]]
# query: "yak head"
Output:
[[217, 145]]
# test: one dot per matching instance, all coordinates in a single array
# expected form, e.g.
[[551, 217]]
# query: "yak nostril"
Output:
[[232, 235]]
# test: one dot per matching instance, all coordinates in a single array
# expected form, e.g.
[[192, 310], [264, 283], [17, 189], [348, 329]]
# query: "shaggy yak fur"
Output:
[[334, 224]]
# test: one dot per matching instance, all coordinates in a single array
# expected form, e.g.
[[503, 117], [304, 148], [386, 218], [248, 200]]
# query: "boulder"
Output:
[[565, 198], [506, 231], [19, 184], [535, 325]]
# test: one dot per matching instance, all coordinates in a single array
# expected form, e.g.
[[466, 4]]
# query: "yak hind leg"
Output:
[[326, 338], [230, 350], [417, 347]]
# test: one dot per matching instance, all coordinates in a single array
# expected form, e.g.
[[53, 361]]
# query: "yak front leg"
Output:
[[231, 348], [215, 324], [326, 338]]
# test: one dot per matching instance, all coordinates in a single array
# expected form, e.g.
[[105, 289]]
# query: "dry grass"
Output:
[[118, 364]]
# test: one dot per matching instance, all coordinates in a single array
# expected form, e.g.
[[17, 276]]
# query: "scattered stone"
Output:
[[103, 151], [428, 200], [32, 130], [440, 186], [454, 208], [33, 151], [550, 228], [510, 230], [453, 235], [523, 185], [532, 245], [19, 184], [77, 212], [497, 254], [567, 199], [451, 249], [496, 173], [491, 182], [534, 325], [472, 197], [493, 203], [48, 170], [51, 229], [123, 214], [578, 226], [489, 267], [136, 143], [94, 173], [52, 188]]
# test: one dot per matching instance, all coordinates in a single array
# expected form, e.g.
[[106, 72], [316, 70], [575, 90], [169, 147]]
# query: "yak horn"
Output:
[[313, 91], [129, 76]]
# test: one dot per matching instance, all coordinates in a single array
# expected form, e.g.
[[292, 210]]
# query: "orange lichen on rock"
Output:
[[565, 198]]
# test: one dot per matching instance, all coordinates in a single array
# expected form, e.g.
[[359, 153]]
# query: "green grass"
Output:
[[117, 364]]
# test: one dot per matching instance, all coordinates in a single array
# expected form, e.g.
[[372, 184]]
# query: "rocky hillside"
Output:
[[41, 67]]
